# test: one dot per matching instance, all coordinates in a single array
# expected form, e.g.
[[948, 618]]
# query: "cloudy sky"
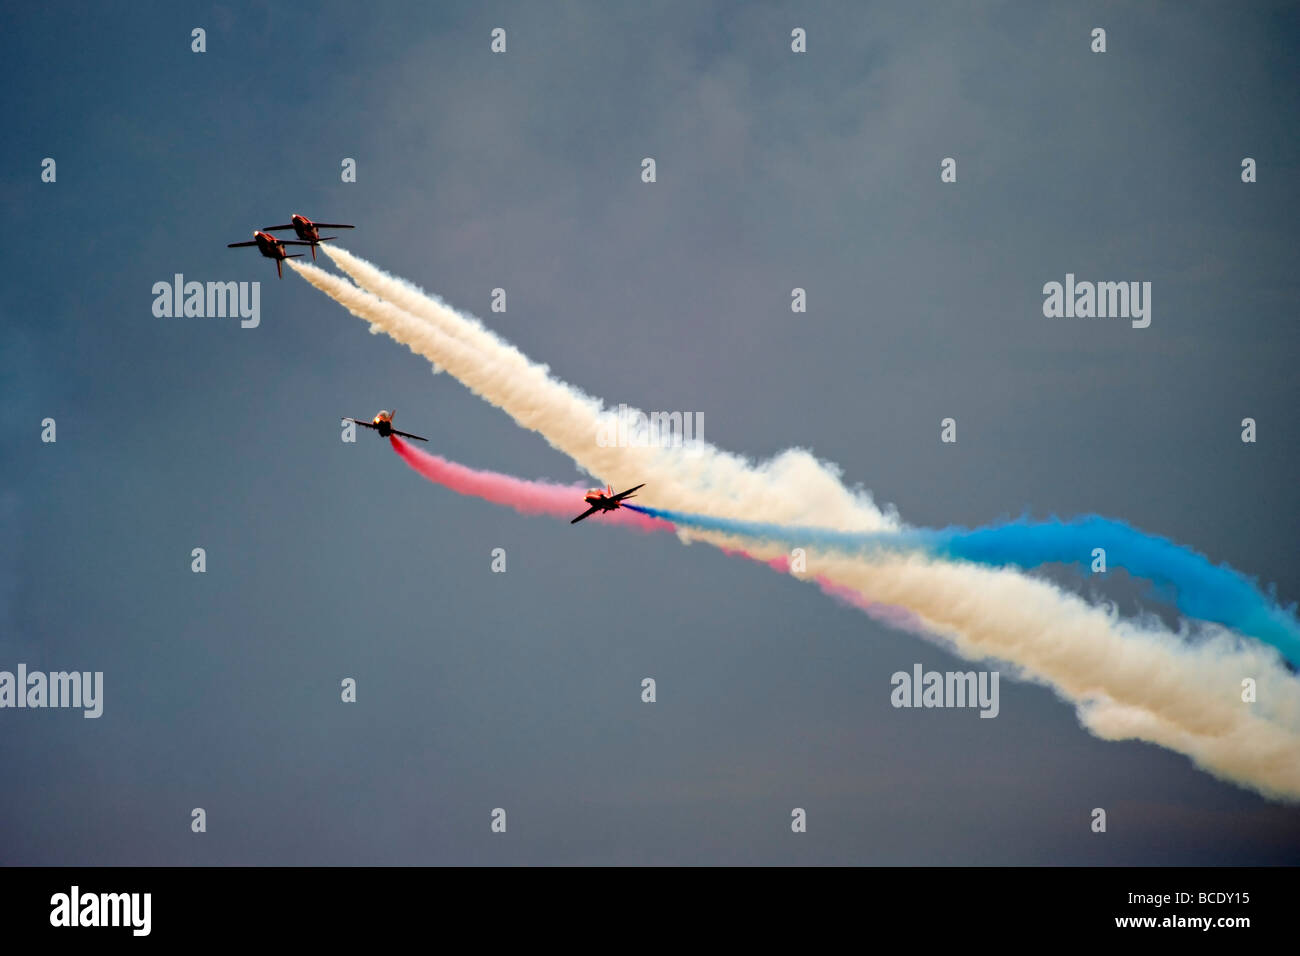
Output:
[[521, 690]]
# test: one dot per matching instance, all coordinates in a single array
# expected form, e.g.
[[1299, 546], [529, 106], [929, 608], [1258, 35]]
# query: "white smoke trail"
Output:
[[1126, 680], [794, 487]]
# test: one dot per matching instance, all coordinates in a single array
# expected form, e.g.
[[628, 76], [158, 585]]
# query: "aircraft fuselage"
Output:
[[305, 229], [269, 246]]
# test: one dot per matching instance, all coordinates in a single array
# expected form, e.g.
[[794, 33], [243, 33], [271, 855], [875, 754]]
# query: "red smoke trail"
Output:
[[565, 501], [526, 497], [899, 617]]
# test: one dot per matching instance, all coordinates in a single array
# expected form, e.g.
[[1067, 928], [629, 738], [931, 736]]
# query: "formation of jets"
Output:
[[598, 499], [308, 234]]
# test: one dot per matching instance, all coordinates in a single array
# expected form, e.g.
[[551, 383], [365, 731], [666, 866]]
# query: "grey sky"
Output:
[[521, 690]]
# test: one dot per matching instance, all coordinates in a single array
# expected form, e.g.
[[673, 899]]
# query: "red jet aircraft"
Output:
[[604, 499], [272, 248], [383, 423], [304, 228]]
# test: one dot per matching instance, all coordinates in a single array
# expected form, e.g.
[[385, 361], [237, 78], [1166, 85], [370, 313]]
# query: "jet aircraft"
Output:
[[309, 231], [272, 248], [383, 423], [604, 499]]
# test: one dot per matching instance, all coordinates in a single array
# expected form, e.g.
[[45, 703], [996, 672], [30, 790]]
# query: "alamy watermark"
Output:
[[1100, 300], [946, 689], [633, 428], [213, 300], [36, 689], [75, 908]]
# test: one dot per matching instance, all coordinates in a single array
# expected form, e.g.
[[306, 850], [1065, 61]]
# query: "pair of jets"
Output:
[[598, 499], [308, 234]]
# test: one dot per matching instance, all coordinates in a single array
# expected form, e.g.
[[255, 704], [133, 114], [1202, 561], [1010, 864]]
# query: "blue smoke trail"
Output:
[[1197, 587]]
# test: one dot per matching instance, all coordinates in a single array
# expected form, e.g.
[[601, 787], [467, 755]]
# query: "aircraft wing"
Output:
[[357, 421], [409, 435], [236, 245], [287, 225], [590, 511], [626, 494]]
